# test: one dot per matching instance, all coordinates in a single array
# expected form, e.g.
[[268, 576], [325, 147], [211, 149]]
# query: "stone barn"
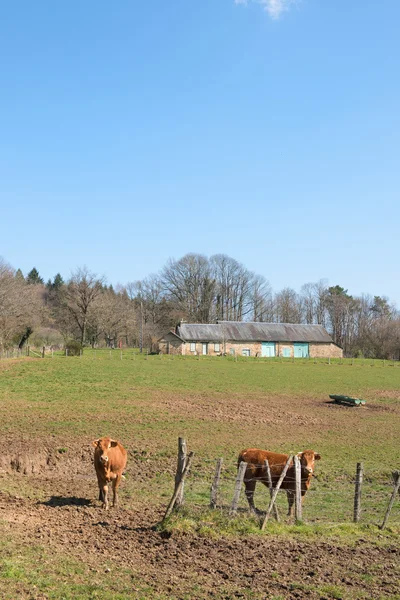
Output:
[[250, 339]]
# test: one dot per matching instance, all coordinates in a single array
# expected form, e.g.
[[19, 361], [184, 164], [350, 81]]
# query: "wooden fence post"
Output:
[[179, 486], [43, 349], [215, 484], [276, 490], [270, 487], [357, 493], [238, 486], [180, 468], [298, 513], [396, 477]]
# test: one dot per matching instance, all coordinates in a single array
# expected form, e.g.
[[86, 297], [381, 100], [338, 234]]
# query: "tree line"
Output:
[[194, 288]]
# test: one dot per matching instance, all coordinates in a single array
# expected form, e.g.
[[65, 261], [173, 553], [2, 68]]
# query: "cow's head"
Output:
[[307, 461], [103, 445]]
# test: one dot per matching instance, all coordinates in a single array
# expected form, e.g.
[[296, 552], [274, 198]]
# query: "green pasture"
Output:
[[100, 393], [149, 401], [105, 369]]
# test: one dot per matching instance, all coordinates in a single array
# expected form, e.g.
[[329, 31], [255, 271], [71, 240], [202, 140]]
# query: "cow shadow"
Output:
[[57, 501]]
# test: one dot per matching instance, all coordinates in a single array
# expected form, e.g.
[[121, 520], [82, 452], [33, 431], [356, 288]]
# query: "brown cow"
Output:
[[256, 471], [109, 461]]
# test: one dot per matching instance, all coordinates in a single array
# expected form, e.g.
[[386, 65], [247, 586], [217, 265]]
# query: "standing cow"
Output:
[[109, 461], [256, 471]]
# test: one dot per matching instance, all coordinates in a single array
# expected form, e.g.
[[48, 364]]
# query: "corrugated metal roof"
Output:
[[253, 332]]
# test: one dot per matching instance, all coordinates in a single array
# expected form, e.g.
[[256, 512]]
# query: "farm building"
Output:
[[250, 339]]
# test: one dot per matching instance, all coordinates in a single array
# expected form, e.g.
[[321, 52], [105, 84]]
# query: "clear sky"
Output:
[[268, 130]]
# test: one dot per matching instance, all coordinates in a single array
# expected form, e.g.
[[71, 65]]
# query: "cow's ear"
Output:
[[113, 443], [95, 443], [317, 456]]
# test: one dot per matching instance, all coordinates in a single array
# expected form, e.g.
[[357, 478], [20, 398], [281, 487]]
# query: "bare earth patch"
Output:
[[392, 394], [267, 566], [232, 409]]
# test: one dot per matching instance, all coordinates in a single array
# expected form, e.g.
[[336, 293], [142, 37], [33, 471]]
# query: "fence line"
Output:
[[340, 503], [132, 354], [321, 504]]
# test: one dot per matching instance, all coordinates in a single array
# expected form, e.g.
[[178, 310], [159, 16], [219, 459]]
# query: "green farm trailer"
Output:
[[347, 400]]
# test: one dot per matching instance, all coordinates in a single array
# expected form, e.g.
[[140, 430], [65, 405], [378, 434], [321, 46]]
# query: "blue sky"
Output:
[[132, 132]]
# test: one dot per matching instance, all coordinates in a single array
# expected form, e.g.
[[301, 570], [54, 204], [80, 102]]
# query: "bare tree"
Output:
[[109, 317], [307, 302], [21, 306], [189, 284], [232, 288], [312, 300], [288, 306], [321, 294], [80, 295], [260, 299], [341, 308]]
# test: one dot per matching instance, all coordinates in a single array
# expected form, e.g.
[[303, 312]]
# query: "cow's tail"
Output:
[[241, 458]]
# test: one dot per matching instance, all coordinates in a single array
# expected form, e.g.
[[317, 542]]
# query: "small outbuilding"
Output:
[[250, 339]]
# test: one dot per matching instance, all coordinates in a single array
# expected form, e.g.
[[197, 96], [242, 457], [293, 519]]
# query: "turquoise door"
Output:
[[300, 350], [268, 349]]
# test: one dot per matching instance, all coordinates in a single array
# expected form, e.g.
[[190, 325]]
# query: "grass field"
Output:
[[52, 408]]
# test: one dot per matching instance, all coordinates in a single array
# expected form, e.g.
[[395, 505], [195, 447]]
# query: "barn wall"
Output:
[[170, 344], [281, 346], [176, 346], [325, 351], [224, 348], [254, 347], [315, 350]]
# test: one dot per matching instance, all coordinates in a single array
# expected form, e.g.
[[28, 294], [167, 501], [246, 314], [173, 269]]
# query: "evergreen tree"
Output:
[[58, 282], [33, 277]]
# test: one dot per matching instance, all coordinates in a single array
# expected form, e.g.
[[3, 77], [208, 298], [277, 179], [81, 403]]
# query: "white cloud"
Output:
[[273, 7]]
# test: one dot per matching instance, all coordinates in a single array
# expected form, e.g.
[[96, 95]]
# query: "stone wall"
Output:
[[170, 344], [236, 348], [218, 348], [325, 351]]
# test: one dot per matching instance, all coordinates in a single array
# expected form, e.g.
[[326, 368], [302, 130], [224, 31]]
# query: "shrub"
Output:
[[45, 336], [74, 348]]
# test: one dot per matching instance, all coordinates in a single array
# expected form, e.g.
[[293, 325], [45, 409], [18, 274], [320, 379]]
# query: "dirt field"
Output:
[[226, 568]]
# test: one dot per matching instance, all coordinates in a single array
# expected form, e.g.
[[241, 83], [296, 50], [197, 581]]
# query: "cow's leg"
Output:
[[115, 485], [104, 493], [100, 482], [250, 486], [290, 497]]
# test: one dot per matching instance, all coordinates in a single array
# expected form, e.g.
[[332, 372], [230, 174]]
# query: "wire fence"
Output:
[[117, 354], [325, 502]]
